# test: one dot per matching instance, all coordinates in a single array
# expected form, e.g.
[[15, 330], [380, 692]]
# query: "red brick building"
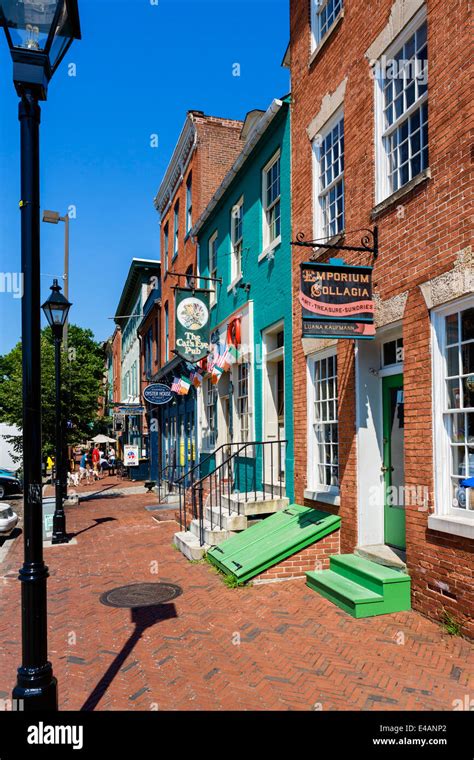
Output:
[[384, 428], [206, 149]]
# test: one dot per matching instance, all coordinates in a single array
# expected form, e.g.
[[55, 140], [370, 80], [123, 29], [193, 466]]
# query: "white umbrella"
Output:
[[103, 439]]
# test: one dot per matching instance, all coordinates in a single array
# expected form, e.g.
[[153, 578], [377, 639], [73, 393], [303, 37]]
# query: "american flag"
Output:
[[176, 385]]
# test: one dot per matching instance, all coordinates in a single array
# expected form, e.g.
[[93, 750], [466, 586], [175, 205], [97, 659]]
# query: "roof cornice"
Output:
[[176, 167]]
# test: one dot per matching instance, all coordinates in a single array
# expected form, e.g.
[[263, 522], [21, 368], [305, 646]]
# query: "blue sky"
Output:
[[139, 68]]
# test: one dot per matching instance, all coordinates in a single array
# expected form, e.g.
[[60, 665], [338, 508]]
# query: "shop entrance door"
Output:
[[393, 461]]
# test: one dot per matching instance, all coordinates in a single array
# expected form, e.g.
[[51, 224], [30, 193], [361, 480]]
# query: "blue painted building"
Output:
[[244, 239]]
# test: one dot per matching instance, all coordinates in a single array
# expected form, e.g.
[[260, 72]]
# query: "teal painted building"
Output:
[[244, 239]]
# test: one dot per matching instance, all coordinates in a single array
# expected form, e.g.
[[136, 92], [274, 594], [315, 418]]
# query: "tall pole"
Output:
[[36, 686], [59, 517], [65, 450], [66, 270]]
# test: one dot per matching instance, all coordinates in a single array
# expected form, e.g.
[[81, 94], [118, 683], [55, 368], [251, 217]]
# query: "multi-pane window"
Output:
[[167, 333], [404, 85], [330, 186], [211, 412], [271, 201], [212, 251], [459, 406], [325, 424], [148, 352], [392, 352], [176, 229], [189, 202], [324, 14], [236, 226], [243, 400], [166, 246]]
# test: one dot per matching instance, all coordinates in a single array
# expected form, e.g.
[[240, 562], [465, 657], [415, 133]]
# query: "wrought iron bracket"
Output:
[[369, 242]]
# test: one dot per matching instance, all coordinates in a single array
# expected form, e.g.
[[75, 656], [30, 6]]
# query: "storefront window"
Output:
[[243, 400], [454, 408], [325, 459]]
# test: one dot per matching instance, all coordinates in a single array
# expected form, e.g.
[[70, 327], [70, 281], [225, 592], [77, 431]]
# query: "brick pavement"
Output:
[[277, 646]]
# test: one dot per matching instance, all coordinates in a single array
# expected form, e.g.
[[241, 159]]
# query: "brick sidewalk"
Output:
[[268, 647]]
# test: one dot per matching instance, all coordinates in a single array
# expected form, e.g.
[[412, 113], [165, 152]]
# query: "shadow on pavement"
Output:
[[98, 521], [143, 618]]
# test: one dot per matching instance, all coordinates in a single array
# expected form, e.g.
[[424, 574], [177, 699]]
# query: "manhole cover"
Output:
[[140, 595]]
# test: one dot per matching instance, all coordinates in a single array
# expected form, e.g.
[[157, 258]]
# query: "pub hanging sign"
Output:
[[192, 324], [336, 300]]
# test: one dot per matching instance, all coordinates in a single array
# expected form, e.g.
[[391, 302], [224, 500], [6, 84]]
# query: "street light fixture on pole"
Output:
[[54, 217], [56, 309], [39, 34]]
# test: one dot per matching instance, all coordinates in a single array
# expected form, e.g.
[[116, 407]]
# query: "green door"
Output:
[[393, 461]]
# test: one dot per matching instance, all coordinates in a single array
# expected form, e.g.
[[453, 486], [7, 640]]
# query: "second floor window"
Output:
[[271, 201], [189, 202], [167, 333], [402, 112], [148, 353], [324, 14], [176, 229], [329, 153], [213, 267], [165, 247], [236, 228]]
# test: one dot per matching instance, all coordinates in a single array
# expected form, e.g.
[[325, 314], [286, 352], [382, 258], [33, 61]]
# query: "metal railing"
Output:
[[231, 474]]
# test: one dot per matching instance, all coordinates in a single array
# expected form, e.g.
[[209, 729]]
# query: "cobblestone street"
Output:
[[267, 647]]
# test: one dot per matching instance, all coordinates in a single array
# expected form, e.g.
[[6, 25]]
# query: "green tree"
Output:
[[82, 369]]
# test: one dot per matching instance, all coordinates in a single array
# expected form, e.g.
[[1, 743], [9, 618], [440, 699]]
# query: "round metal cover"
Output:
[[140, 595]]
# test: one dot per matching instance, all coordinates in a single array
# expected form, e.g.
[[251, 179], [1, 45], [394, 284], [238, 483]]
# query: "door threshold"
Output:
[[383, 554]]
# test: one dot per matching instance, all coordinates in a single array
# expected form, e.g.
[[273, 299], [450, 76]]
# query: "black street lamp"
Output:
[[39, 33], [56, 309]]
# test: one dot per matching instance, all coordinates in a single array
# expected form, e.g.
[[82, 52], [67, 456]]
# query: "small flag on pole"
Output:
[[175, 385], [184, 386]]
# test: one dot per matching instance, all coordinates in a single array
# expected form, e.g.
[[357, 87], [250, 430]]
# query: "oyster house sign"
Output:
[[336, 300], [192, 324]]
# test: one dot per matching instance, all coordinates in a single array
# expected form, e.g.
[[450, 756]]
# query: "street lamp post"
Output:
[[54, 217], [56, 309], [39, 34]]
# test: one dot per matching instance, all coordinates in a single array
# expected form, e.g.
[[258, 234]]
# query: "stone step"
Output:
[[262, 504], [383, 555], [212, 536], [189, 545], [226, 520]]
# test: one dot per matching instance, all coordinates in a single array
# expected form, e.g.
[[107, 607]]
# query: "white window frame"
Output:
[[236, 244], [319, 228], [382, 183], [317, 6], [446, 517], [244, 429], [212, 270], [166, 246], [175, 230], [189, 202], [315, 490], [167, 332], [269, 244], [209, 391]]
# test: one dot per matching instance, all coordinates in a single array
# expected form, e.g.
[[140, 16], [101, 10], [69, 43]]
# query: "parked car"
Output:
[[9, 483], [8, 519]]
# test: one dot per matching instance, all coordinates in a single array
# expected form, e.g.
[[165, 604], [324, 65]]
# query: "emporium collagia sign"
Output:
[[336, 300], [192, 324]]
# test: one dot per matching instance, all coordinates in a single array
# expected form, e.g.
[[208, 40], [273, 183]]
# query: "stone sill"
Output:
[[269, 249], [326, 497], [335, 254], [456, 526], [386, 204], [326, 37]]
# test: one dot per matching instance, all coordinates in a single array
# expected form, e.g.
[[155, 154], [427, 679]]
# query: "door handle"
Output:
[[384, 468]]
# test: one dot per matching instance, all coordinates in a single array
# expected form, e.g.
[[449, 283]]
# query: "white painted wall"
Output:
[[6, 460]]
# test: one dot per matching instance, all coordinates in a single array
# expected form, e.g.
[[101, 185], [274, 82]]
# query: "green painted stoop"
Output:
[[361, 587], [272, 540]]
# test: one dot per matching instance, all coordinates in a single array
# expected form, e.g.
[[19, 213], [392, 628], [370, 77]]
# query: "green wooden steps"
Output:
[[361, 587], [272, 540]]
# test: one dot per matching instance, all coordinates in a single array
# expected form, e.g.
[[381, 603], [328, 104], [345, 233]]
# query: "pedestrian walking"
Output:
[[96, 462]]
